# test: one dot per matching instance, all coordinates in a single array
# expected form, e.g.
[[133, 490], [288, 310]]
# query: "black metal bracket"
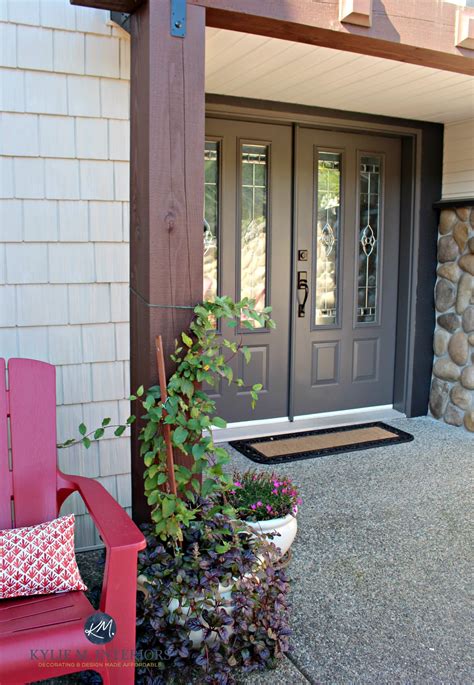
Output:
[[178, 18], [122, 19]]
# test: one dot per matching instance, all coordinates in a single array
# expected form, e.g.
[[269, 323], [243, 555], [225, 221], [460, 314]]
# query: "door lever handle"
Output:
[[302, 289]]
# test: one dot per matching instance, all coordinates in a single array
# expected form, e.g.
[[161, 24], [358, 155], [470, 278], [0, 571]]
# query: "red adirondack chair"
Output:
[[36, 488]]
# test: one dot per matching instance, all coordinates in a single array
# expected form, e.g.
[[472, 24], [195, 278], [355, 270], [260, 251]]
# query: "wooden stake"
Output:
[[160, 362]]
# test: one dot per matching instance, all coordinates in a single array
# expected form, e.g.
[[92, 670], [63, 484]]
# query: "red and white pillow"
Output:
[[39, 560]]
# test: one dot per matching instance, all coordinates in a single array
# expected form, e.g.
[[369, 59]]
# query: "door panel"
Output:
[[348, 198], [248, 252]]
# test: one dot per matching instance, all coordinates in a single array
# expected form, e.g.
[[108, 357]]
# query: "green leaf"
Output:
[[208, 486], [247, 354], [199, 450], [99, 433], [140, 391], [106, 422], [218, 422], [162, 478], [222, 549], [86, 442], [120, 430], [257, 387], [168, 507], [180, 435], [233, 323], [82, 429], [187, 340]]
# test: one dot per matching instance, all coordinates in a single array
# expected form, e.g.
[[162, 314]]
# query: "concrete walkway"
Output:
[[381, 569]]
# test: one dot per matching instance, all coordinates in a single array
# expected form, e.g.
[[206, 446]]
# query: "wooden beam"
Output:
[[167, 191], [419, 32], [127, 6]]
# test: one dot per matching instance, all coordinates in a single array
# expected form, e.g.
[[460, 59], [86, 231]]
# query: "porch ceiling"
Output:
[[246, 65]]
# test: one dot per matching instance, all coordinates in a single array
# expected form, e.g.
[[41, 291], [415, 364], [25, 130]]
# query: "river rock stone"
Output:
[[458, 348], [453, 415], [468, 319], [464, 295], [445, 295], [448, 249], [447, 221], [450, 270], [470, 339], [467, 377], [463, 213], [469, 421], [446, 370], [460, 235], [470, 244], [440, 342], [449, 322], [467, 263], [438, 397], [461, 397]]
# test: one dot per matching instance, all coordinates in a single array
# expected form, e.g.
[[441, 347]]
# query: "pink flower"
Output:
[[284, 491], [253, 506], [268, 508], [299, 500], [237, 484], [255, 476], [275, 492], [276, 483], [259, 504], [232, 492]]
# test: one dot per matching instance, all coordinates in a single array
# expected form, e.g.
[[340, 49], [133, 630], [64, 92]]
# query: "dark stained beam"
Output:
[[167, 193], [128, 6], [421, 32]]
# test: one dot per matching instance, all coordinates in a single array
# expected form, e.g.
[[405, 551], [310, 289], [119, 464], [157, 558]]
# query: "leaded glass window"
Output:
[[254, 224], [211, 219], [327, 236], [370, 172]]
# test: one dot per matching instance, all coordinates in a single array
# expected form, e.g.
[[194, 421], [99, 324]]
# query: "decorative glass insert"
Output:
[[327, 236], [369, 237], [211, 218], [253, 221]]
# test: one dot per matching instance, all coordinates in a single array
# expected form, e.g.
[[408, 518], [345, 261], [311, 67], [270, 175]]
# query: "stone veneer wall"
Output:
[[452, 388]]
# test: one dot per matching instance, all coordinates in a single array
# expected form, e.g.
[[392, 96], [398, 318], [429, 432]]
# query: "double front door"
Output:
[[307, 223]]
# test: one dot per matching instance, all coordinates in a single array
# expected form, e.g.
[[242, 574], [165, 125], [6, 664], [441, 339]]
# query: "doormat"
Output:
[[278, 449]]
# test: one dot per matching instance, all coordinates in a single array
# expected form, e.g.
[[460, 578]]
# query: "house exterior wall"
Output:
[[458, 160], [64, 264]]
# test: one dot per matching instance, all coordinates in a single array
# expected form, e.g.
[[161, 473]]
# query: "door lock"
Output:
[[303, 291]]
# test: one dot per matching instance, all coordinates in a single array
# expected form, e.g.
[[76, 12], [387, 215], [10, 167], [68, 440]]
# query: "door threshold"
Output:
[[245, 430]]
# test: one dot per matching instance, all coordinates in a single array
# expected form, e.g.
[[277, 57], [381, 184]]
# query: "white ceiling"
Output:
[[245, 65]]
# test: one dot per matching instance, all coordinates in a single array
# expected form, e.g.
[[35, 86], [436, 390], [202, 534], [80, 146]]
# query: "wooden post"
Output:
[[167, 190]]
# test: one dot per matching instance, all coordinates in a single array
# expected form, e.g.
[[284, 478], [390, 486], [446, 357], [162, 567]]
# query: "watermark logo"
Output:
[[100, 628]]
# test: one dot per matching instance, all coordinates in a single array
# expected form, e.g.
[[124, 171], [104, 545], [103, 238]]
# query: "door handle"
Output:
[[302, 292]]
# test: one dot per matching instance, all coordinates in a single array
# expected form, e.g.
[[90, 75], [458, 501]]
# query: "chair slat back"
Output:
[[32, 395], [5, 475]]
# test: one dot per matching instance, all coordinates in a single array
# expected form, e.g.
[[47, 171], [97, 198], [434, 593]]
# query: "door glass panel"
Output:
[[369, 237], [253, 224], [327, 236], [211, 219]]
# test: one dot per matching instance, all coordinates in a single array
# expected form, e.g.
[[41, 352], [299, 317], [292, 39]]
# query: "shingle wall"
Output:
[[64, 145]]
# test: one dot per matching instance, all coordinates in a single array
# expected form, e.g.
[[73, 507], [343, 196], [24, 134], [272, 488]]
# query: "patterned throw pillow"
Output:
[[39, 560]]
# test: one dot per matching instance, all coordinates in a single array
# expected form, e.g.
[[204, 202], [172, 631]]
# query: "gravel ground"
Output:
[[381, 565]]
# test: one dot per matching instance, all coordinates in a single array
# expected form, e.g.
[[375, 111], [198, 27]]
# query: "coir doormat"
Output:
[[277, 449]]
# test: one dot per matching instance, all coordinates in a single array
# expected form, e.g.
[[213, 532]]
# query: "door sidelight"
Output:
[[303, 290]]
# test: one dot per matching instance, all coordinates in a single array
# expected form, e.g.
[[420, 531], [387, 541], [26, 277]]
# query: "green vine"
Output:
[[202, 357]]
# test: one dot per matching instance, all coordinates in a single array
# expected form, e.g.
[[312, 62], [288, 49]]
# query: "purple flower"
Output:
[[237, 484], [253, 506], [269, 508], [259, 504]]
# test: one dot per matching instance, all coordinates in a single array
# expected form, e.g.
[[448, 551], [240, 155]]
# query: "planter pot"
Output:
[[283, 529]]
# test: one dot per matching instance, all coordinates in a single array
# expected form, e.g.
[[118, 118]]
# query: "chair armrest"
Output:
[[116, 528]]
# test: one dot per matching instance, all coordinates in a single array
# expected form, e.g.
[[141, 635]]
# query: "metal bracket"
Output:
[[178, 18]]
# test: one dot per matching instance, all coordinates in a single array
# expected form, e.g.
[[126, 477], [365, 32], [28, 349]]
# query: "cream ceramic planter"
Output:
[[281, 531]]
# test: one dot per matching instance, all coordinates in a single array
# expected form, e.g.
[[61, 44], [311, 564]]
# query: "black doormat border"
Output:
[[245, 446]]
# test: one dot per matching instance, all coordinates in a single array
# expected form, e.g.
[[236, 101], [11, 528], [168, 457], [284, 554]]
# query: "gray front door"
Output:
[[347, 211], [247, 253]]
